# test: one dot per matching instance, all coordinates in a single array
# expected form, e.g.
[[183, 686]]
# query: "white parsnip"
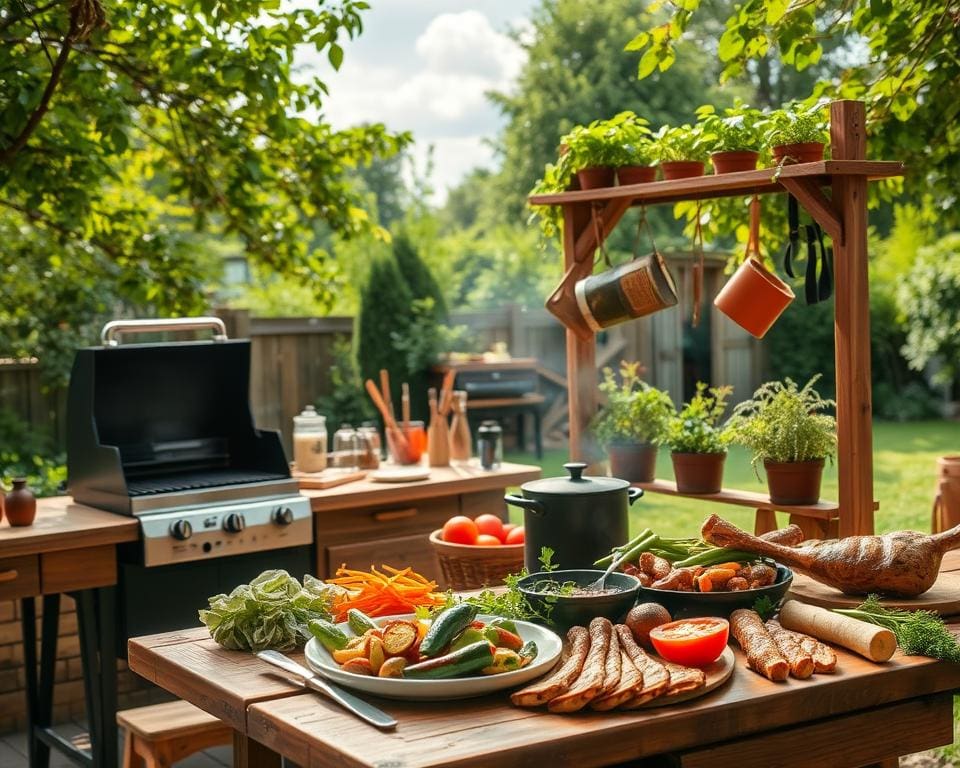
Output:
[[871, 642]]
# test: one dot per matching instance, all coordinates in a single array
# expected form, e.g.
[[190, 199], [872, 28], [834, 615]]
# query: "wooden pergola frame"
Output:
[[842, 214]]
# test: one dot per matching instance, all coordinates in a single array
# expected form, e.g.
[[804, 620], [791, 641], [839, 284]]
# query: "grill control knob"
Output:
[[181, 530], [233, 523], [283, 516]]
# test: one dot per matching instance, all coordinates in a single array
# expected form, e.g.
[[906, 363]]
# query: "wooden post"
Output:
[[851, 327]]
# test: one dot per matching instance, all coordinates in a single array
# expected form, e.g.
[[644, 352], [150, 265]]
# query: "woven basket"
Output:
[[467, 566]]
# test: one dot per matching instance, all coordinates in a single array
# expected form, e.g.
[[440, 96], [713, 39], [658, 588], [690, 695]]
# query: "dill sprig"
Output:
[[919, 633]]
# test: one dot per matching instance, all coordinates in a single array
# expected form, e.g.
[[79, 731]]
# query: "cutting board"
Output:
[[943, 597], [717, 674], [318, 481]]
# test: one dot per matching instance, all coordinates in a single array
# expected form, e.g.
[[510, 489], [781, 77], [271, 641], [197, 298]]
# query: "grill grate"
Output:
[[191, 481]]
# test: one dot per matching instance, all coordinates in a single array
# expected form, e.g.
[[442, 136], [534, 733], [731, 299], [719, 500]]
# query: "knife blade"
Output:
[[347, 700]]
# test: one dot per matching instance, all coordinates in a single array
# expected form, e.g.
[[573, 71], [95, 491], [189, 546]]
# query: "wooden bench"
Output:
[[162, 734]]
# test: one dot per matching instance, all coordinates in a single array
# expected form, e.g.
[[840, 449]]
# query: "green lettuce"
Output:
[[272, 611]]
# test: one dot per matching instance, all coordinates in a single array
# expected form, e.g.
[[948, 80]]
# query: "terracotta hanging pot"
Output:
[[946, 505], [682, 169], [734, 161], [754, 297], [794, 482], [698, 472], [636, 462], [595, 178], [20, 504], [807, 152], [636, 174]]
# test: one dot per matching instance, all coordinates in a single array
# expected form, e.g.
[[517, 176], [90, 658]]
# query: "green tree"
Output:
[[418, 277], [124, 126]]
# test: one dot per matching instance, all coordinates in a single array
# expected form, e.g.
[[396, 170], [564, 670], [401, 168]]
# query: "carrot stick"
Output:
[[385, 388], [871, 642]]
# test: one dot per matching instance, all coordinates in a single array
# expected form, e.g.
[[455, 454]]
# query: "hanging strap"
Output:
[[597, 217], [793, 242], [642, 224], [815, 288], [697, 269], [753, 241]]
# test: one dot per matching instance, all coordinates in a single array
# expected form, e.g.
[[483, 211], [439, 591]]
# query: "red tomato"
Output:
[[515, 536], [507, 527], [460, 529], [486, 540], [490, 525], [691, 642]]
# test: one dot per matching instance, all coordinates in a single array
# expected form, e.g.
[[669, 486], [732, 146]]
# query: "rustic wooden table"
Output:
[[69, 549], [865, 715]]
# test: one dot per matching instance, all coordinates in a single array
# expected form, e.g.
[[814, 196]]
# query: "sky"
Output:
[[425, 66]]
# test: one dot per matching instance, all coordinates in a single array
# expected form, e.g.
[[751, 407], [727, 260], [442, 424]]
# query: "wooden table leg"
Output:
[[250, 753], [764, 522]]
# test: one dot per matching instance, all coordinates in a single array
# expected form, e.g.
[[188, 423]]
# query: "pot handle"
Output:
[[522, 501], [633, 494]]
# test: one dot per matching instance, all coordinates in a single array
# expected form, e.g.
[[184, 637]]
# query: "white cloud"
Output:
[[466, 43]]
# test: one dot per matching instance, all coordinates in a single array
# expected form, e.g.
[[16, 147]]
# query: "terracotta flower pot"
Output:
[[754, 297], [807, 152], [734, 161], [635, 462], [946, 505], [20, 504], [636, 174], [698, 472], [794, 482], [682, 169], [595, 178]]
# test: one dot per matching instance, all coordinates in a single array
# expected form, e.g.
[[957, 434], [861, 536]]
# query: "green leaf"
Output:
[[776, 10], [335, 55], [731, 44], [638, 43], [648, 63]]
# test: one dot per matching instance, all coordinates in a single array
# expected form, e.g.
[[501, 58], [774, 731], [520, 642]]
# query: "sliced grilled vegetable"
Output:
[[359, 622], [392, 667], [445, 627], [502, 638], [399, 636], [466, 661], [330, 635], [504, 660], [507, 624], [375, 654], [528, 653], [469, 636], [359, 666]]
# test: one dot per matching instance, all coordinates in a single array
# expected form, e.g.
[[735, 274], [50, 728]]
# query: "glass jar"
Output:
[[490, 445], [346, 447], [369, 455], [310, 440]]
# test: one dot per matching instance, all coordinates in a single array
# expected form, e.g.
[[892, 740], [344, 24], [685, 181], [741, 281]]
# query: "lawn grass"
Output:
[[904, 456]]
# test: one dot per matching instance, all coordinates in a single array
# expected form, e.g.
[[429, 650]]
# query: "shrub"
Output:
[[784, 423], [417, 275], [634, 411], [694, 429], [347, 401]]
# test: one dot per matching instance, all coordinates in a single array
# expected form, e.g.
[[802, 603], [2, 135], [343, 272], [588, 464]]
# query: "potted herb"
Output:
[[680, 150], [632, 423], [786, 428], [698, 445], [734, 139], [634, 159], [797, 134], [595, 151]]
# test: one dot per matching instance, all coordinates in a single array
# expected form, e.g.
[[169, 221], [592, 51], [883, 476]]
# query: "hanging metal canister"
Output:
[[639, 287]]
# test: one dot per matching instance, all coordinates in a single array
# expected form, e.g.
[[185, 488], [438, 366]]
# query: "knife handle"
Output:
[[358, 706]]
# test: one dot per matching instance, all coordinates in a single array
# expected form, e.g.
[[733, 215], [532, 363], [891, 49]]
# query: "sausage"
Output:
[[761, 651]]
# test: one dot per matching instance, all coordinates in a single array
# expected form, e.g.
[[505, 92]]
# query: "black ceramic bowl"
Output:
[[685, 605], [569, 610]]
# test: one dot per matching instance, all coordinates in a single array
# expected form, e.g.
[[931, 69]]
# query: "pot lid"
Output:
[[575, 483]]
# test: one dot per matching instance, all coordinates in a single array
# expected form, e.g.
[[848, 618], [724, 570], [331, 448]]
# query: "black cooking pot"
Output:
[[580, 518]]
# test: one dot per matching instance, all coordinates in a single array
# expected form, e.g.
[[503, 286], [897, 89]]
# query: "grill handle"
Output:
[[111, 332]]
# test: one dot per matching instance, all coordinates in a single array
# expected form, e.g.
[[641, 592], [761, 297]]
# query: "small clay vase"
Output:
[[21, 504]]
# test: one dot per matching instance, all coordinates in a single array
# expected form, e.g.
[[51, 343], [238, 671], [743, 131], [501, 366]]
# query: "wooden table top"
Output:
[[443, 481], [62, 524], [315, 733]]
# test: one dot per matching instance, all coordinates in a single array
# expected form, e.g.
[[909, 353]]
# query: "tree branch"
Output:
[[43, 220], [28, 13]]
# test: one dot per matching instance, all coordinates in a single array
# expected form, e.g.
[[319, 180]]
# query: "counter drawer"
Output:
[[19, 577], [400, 552], [399, 519]]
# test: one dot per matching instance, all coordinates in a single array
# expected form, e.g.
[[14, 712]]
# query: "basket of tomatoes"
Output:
[[478, 552]]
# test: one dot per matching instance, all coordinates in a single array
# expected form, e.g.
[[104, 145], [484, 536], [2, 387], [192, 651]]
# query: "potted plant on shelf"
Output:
[[632, 423], [634, 158], [797, 134], [786, 428], [698, 444], [734, 139], [680, 150]]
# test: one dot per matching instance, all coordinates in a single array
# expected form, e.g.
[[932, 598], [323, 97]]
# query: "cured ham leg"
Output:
[[901, 564]]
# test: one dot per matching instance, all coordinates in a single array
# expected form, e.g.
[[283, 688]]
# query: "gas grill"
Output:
[[164, 432]]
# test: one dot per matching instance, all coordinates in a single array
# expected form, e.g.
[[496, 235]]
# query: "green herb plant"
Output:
[[634, 412], [764, 607], [919, 633], [511, 603], [737, 129], [272, 611], [679, 143], [795, 124], [694, 429], [784, 423]]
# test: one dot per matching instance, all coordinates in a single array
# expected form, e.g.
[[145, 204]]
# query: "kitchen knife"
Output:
[[358, 706]]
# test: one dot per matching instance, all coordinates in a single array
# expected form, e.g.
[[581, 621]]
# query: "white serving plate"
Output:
[[548, 643]]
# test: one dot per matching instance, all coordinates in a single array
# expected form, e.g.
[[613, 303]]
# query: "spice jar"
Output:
[[310, 440], [490, 444], [346, 447], [369, 455]]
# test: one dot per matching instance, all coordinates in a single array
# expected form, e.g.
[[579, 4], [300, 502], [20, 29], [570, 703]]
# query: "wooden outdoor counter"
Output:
[[864, 715]]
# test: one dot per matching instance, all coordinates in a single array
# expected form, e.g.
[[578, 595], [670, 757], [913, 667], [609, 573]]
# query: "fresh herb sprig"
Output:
[[919, 633], [765, 607], [512, 603]]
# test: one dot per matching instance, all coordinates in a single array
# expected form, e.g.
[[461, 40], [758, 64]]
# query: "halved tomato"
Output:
[[691, 642]]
